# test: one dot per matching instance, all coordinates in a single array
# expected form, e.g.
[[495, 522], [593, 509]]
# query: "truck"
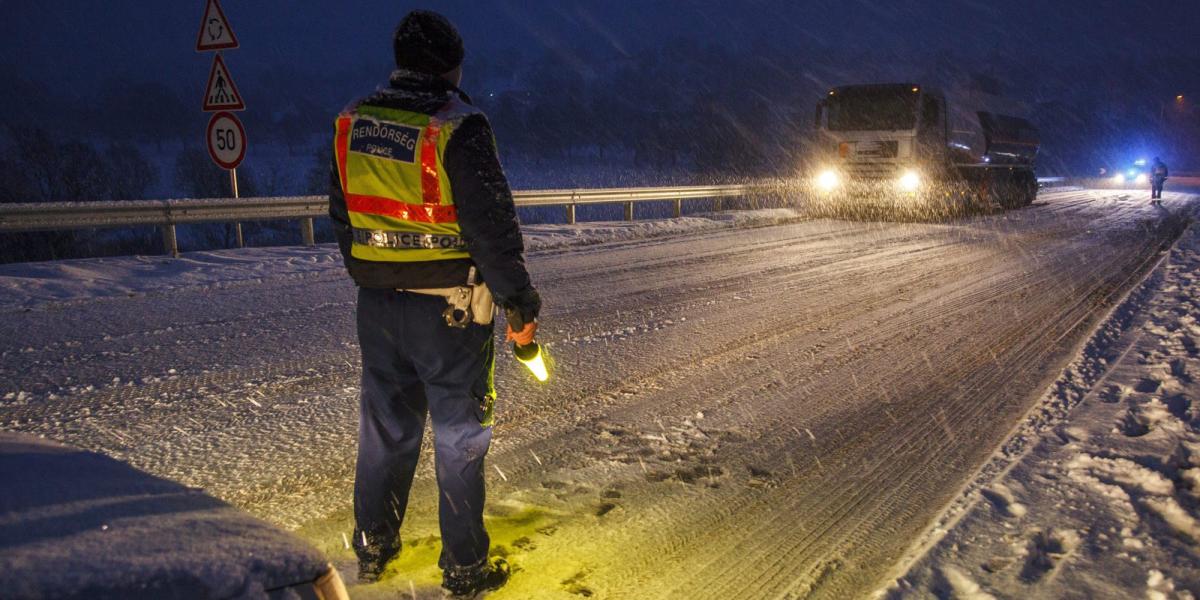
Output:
[[909, 149]]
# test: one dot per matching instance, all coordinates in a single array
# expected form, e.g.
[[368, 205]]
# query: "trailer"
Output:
[[902, 148]]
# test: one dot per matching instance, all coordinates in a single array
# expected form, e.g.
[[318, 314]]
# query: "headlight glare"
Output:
[[827, 180], [909, 181]]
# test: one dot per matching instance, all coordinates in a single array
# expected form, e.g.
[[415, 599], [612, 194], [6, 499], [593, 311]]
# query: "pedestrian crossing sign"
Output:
[[221, 93]]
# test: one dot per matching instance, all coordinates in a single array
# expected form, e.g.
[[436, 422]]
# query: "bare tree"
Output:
[[197, 177], [130, 174]]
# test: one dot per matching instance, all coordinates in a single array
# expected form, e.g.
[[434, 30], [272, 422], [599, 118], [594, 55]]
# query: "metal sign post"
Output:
[[237, 227], [226, 138], [227, 148]]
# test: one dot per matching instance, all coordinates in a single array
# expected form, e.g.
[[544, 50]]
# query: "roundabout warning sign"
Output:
[[215, 32], [226, 140]]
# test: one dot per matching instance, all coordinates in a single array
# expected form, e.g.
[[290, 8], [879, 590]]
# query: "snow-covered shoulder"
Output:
[[29, 285], [1098, 494], [546, 237]]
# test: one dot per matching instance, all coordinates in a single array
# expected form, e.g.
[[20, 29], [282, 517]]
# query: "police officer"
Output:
[[419, 202], [1158, 177]]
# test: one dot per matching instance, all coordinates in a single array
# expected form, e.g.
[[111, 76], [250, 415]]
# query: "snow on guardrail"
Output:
[[53, 216]]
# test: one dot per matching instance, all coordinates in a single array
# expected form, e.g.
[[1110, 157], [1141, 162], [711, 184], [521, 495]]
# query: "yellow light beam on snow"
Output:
[[533, 358]]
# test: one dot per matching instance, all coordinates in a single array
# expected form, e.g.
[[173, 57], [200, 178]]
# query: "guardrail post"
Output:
[[170, 242], [570, 214], [717, 204], [629, 211], [678, 207], [306, 231], [237, 228]]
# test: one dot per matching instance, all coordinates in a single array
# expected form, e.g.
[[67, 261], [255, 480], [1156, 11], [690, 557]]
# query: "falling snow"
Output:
[[724, 388]]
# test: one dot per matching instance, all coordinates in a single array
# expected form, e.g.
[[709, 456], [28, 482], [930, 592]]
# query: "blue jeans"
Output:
[[414, 365]]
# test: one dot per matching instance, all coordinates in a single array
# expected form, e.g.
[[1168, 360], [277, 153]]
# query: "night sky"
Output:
[[1104, 74], [76, 43]]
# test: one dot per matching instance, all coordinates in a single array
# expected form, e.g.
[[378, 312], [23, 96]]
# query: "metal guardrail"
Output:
[[628, 196], [58, 216], [1174, 183], [51, 216]]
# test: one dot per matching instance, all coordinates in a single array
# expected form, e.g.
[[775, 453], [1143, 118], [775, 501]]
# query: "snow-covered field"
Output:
[[736, 412]]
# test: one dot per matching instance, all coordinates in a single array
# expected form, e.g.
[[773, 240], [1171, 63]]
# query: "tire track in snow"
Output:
[[816, 319]]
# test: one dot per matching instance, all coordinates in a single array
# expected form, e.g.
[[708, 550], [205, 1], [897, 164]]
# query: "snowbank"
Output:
[[1097, 494], [546, 237], [76, 524], [31, 284]]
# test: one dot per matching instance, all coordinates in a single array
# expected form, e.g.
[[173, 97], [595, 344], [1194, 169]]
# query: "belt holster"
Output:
[[470, 303]]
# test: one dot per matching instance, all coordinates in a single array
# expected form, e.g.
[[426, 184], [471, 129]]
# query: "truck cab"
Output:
[[903, 146], [875, 133]]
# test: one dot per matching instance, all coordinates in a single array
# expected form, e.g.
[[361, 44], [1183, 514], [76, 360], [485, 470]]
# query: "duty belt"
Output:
[[404, 239]]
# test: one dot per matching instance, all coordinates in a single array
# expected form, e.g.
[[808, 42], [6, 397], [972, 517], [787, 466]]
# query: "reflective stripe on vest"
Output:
[[404, 239], [396, 191]]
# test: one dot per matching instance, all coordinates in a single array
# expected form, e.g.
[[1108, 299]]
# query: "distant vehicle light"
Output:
[[828, 180], [1141, 178], [1141, 162], [1119, 178], [909, 181]]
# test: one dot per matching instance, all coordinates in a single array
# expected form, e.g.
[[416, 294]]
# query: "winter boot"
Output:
[[373, 559], [468, 582]]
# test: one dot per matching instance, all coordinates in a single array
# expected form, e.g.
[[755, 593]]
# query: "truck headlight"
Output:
[[1141, 178], [827, 180], [1119, 178], [909, 181]]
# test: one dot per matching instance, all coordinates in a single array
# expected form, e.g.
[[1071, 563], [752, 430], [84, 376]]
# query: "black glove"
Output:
[[527, 304]]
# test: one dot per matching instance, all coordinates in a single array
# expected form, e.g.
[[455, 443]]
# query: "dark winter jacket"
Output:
[[486, 213], [1158, 170]]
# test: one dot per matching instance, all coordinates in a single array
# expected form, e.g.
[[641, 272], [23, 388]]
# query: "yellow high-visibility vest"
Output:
[[397, 194]]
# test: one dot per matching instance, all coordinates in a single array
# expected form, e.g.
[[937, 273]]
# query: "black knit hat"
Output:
[[426, 41]]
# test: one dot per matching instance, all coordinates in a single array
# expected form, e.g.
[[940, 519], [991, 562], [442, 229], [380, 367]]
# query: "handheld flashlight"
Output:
[[531, 354]]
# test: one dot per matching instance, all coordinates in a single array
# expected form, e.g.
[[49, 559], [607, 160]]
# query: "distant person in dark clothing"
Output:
[[1158, 176]]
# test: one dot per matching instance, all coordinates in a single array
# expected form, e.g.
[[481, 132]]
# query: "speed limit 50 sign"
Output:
[[226, 140]]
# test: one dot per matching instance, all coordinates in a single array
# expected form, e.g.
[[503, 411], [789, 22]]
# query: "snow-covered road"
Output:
[[735, 412]]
